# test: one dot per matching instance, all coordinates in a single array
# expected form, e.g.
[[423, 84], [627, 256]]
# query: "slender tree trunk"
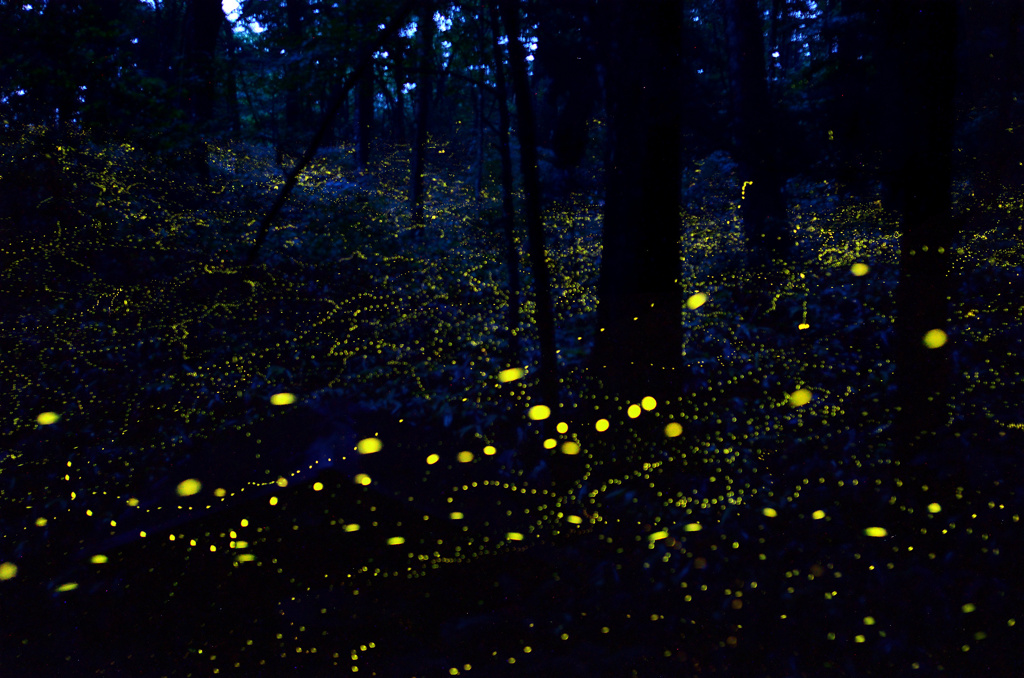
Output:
[[764, 204], [507, 191], [640, 299], [364, 111], [399, 119], [424, 89], [294, 113], [926, 31], [478, 184], [531, 195]]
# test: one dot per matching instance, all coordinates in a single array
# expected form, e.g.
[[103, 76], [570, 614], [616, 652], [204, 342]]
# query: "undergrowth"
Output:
[[755, 522]]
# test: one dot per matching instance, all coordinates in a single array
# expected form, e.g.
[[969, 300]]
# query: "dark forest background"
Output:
[[511, 337]]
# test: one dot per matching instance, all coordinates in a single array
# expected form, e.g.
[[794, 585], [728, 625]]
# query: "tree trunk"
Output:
[[531, 196], [763, 202], [925, 34], [364, 112], [294, 113], [639, 346], [507, 192], [424, 91], [203, 20]]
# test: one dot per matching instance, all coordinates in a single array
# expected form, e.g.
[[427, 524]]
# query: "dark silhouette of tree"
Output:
[[763, 205], [639, 310], [508, 211], [425, 29], [531, 198], [364, 116], [923, 33], [203, 20]]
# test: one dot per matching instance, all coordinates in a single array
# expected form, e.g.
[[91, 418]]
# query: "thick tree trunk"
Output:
[[639, 346], [424, 91], [531, 197], [763, 202], [925, 34], [507, 192], [203, 20]]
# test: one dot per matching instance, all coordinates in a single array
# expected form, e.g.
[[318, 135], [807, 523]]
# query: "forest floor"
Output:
[[755, 525]]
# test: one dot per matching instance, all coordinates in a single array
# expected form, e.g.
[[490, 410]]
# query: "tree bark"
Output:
[[531, 196], [424, 91], [924, 32], [203, 20], [763, 202], [639, 345], [507, 192]]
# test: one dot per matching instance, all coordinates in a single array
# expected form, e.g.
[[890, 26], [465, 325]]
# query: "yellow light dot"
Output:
[[770, 512], [515, 536], [41, 522], [465, 457], [550, 443], [692, 527], [352, 527], [601, 425], [655, 536], [368, 446], [395, 541], [281, 482], [433, 459], [70, 586], [575, 520], [968, 608], [859, 269], [934, 507], [47, 418], [869, 621], [648, 403], [362, 479], [539, 412], [673, 430], [818, 515], [511, 374], [803, 326], [273, 501], [8, 571], [571, 448], [456, 515], [282, 399], [633, 411], [317, 486], [186, 488], [799, 397], [490, 450], [562, 427], [98, 559], [858, 638], [876, 532], [935, 339], [696, 300]]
